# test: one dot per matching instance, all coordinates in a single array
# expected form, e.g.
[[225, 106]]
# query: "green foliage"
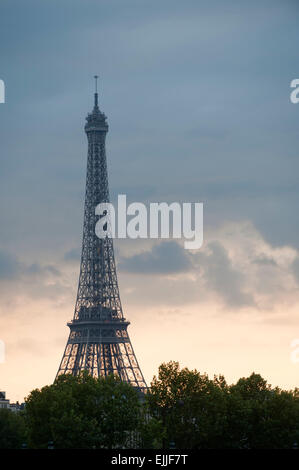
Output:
[[152, 431], [190, 406], [184, 409], [12, 429], [261, 417], [198, 412], [82, 412]]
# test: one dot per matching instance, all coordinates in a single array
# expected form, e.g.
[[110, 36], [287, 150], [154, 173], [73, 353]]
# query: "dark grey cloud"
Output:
[[73, 255], [220, 276], [212, 268], [165, 258], [12, 268], [264, 260], [197, 98], [36, 269], [9, 266]]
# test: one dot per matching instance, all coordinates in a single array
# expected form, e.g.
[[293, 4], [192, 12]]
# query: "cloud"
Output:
[[9, 266], [197, 100], [183, 112], [264, 260], [35, 268], [295, 268], [220, 276], [73, 255], [243, 271], [165, 258]]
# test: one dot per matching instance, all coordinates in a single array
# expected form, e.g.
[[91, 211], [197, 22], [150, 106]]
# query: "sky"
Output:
[[197, 95]]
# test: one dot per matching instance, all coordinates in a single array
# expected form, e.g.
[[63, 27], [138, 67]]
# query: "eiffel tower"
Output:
[[98, 341]]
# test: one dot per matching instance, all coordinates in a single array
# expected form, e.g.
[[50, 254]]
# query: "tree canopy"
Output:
[[183, 409], [82, 412], [201, 413]]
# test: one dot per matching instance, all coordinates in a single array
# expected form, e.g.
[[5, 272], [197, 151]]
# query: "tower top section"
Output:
[[96, 120]]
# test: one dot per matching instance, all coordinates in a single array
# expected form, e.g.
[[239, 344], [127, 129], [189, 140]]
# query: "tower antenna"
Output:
[[96, 91], [96, 82]]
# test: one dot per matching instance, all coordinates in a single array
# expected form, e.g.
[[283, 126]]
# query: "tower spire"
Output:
[[96, 91]]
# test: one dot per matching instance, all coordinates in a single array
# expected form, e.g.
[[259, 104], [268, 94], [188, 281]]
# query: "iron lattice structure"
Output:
[[98, 341]]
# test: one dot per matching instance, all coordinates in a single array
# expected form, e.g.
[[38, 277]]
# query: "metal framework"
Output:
[[98, 341]]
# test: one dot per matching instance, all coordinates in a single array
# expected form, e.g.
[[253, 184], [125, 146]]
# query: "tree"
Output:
[[197, 412], [82, 412], [190, 406], [12, 429], [261, 417], [152, 430], [183, 409]]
